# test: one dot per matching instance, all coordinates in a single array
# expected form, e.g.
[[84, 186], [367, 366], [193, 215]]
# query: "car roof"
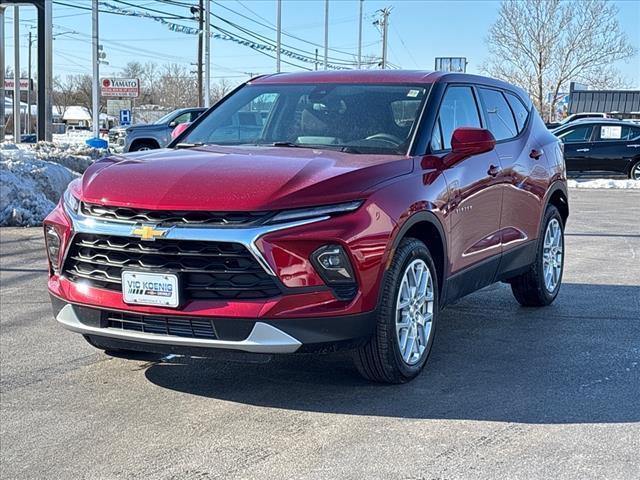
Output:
[[583, 121], [385, 77]]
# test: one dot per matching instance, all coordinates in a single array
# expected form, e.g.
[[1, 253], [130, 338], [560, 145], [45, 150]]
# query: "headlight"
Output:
[[52, 240], [305, 213], [71, 203]]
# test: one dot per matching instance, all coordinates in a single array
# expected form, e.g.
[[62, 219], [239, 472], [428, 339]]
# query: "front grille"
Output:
[[206, 270], [175, 326], [169, 217]]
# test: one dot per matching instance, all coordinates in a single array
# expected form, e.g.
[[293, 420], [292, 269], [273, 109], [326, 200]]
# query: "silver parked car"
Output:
[[153, 135]]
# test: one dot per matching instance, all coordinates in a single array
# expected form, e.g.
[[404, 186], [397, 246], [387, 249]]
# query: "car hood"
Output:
[[236, 178]]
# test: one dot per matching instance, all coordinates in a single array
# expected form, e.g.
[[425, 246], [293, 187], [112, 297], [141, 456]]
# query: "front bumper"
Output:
[[245, 335]]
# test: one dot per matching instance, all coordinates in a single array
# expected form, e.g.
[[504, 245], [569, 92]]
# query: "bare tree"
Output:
[[177, 86], [542, 45], [220, 89], [64, 93]]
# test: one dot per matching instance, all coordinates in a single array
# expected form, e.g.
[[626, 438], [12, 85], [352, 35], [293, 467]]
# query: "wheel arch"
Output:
[[427, 228], [559, 198], [138, 141]]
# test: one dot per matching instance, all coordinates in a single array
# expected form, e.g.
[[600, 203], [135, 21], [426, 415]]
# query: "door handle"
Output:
[[493, 170], [582, 150], [634, 145], [536, 154]]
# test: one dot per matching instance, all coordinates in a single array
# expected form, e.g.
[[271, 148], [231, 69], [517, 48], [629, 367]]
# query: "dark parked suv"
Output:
[[602, 146], [357, 206]]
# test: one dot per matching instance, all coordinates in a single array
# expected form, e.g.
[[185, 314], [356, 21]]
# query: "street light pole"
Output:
[[16, 74], [28, 128], [207, 53], [326, 33], [2, 94], [96, 71], [360, 37]]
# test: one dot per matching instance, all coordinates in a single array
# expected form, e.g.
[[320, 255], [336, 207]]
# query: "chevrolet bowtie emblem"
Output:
[[147, 232]]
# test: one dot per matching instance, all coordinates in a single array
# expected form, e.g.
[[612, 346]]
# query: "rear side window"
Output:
[[498, 114], [458, 109], [577, 134], [609, 133], [520, 112]]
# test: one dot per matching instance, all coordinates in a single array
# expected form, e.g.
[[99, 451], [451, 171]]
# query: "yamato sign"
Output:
[[120, 87]]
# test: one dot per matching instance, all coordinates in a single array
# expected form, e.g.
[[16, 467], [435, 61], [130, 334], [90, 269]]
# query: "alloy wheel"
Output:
[[552, 255], [414, 311], [635, 171]]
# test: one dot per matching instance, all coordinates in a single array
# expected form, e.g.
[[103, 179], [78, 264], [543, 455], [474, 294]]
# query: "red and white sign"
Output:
[[9, 83], [120, 87]]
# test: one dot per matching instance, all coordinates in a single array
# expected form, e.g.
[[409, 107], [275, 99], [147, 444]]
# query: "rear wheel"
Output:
[[540, 285], [406, 318], [634, 173]]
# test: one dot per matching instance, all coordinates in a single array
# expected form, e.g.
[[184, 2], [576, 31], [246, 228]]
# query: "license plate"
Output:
[[160, 289]]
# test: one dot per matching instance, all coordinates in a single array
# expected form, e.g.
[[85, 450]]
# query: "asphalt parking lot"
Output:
[[509, 392]]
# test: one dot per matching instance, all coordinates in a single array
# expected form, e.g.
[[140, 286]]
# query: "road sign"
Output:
[[120, 87], [451, 64], [125, 117], [24, 84], [115, 105]]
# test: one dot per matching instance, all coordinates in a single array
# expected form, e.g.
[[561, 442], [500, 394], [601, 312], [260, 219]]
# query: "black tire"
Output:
[[634, 171], [144, 145], [529, 288], [380, 359]]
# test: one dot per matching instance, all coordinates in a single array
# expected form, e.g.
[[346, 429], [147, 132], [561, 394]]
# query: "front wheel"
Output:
[[540, 285], [406, 319], [634, 173]]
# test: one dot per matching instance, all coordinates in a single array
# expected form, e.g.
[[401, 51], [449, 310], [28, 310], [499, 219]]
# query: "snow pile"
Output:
[[605, 183], [33, 177]]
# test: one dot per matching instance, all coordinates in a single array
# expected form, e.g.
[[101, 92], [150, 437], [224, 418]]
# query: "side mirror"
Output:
[[181, 127], [173, 124], [468, 141]]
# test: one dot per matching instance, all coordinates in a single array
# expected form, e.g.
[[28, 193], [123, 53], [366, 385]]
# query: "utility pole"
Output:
[[207, 54], [384, 25], [326, 33], [278, 34], [95, 97], [316, 59], [360, 36], [16, 74]]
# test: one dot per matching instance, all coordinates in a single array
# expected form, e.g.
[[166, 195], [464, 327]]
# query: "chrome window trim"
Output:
[[247, 236]]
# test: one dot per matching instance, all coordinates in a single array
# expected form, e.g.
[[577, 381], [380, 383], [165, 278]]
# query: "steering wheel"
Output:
[[386, 137]]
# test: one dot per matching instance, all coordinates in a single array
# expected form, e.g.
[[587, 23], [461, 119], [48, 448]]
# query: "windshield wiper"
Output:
[[189, 145], [288, 144]]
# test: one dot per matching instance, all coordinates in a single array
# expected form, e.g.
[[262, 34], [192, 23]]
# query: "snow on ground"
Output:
[[34, 176], [605, 183]]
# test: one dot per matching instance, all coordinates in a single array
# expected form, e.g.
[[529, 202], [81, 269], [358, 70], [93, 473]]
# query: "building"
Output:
[[619, 103]]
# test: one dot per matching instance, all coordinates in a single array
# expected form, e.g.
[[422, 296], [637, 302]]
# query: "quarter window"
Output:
[[520, 112], [498, 114], [458, 109]]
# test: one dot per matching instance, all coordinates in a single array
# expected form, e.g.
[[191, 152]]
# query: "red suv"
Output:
[[314, 211]]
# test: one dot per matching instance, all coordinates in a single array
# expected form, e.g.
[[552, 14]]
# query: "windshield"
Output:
[[353, 118], [164, 119]]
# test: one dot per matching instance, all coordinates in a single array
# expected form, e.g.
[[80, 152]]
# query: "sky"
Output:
[[419, 31]]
